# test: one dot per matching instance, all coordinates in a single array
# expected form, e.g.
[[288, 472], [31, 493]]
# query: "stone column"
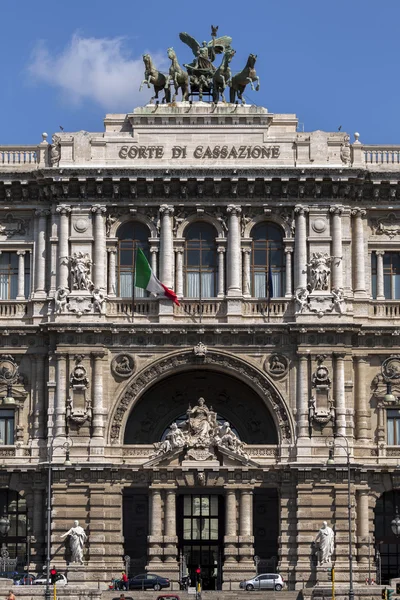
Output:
[[246, 539], [340, 394], [362, 411], [40, 274], [221, 271], [154, 252], [112, 283], [230, 539], [358, 256], [99, 247], [300, 248], [246, 273], [288, 272], [21, 275], [380, 288], [234, 258], [97, 410], [53, 252], [38, 523], [337, 249], [179, 272], [63, 246], [302, 396], [362, 525], [61, 387], [39, 404], [155, 538], [166, 245], [170, 538]]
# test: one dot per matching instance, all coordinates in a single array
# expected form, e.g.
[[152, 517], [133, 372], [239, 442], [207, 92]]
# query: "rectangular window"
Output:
[[393, 427], [391, 275], [6, 427]]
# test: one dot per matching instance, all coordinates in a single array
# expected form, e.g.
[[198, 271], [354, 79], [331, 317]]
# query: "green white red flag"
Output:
[[146, 280]]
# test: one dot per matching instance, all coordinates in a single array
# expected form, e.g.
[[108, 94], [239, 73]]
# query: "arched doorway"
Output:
[[201, 509], [387, 543]]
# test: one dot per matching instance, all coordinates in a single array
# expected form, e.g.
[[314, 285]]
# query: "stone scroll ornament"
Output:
[[200, 434], [201, 76]]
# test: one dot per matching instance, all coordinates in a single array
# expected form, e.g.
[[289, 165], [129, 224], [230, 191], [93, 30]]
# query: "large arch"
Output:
[[216, 361]]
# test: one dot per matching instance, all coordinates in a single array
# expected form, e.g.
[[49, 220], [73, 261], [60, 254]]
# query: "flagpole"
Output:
[[200, 288], [269, 286], [133, 281]]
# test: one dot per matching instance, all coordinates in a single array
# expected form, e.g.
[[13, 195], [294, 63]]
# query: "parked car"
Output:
[[148, 581], [41, 580], [265, 581], [24, 579]]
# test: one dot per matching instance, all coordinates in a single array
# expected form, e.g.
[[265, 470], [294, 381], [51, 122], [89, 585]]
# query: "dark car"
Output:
[[148, 581], [25, 579]]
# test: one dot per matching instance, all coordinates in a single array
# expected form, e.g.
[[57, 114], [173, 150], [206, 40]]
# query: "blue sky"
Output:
[[332, 62]]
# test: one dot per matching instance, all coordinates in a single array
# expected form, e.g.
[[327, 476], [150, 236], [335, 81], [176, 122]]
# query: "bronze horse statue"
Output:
[[155, 78], [178, 76], [239, 81], [222, 76]]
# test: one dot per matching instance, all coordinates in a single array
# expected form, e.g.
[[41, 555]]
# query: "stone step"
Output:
[[208, 595]]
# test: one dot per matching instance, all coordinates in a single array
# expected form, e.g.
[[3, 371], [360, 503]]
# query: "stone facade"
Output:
[[288, 368]]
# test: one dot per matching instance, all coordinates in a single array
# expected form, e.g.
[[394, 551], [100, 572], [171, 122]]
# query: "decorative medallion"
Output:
[[391, 368], [276, 365], [8, 370], [319, 225], [123, 365], [81, 225]]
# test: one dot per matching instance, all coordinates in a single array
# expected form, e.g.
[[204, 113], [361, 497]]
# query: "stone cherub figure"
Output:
[[77, 539]]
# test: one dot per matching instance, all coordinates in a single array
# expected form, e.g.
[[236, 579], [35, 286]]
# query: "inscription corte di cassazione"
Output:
[[200, 152]]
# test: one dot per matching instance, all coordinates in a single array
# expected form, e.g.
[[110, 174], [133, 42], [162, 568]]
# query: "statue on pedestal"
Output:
[[77, 539], [325, 544]]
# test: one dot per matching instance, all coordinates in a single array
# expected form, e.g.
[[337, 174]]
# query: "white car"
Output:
[[266, 581], [61, 580]]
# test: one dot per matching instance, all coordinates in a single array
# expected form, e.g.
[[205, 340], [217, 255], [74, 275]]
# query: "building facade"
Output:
[[284, 250]]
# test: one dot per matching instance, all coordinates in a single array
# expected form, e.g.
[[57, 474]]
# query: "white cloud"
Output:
[[97, 69]]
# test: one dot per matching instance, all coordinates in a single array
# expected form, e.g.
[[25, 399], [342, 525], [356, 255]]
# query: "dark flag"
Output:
[[270, 288]]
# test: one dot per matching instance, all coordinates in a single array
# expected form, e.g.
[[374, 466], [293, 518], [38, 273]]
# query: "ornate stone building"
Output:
[[284, 250]]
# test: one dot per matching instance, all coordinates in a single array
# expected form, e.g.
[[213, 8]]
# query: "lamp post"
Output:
[[67, 463], [331, 461]]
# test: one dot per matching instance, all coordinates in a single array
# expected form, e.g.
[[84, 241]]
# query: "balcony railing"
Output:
[[275, 309], [387, 156], [12, 309], [18, 156], [207, 309], [144, 307], [385, 309]]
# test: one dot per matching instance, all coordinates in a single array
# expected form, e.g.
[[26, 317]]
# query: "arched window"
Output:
[[200, 261], [267, 261], [130, 236]]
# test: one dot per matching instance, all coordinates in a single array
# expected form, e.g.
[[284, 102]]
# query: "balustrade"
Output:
[[18, 155], [382, 155], [207, 308]]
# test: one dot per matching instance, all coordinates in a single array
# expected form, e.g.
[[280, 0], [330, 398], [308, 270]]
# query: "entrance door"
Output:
[[201, 532]]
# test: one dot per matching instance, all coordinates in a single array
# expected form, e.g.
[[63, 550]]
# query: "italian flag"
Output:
[[145, 279]]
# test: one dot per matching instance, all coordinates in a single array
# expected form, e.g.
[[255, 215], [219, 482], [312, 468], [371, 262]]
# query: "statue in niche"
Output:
[[320, 270], [99, 301], [80, 267], [77, 539], [324, 543], [302, 295], [338, 300], [60, 300]]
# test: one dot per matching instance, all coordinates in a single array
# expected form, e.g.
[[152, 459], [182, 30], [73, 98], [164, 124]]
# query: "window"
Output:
[[267, 261], [9, 275], [130, 236], [200, 520], [200, 261], [391, 275], [6, 427], [393, 427]]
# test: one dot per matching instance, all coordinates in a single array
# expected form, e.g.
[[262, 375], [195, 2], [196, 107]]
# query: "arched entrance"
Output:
[[205, 497], [387, 543]]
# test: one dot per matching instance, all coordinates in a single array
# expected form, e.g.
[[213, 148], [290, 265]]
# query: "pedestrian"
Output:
[[11, 595], [125, 581]]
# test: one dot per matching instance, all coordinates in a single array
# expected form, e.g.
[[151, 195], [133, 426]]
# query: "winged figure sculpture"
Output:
[[206, 52]]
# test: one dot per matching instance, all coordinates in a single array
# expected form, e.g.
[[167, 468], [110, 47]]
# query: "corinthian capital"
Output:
[[299, 209], [233, 209], [42, 212], [63, 209], [166, 209], [98, 209]]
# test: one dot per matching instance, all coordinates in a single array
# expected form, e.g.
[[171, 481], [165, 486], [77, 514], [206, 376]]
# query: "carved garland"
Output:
[[155, 371]]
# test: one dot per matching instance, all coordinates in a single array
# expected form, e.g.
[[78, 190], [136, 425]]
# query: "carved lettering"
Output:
[[201, 152]]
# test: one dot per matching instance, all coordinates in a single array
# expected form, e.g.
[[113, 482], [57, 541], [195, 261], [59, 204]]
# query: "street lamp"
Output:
[[67, 463], [331, 461]]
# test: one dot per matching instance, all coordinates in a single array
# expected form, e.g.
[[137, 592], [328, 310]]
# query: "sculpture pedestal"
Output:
[[76, 574], [323, 574]]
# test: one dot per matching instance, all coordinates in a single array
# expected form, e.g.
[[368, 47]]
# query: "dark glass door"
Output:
[[201, 531]]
